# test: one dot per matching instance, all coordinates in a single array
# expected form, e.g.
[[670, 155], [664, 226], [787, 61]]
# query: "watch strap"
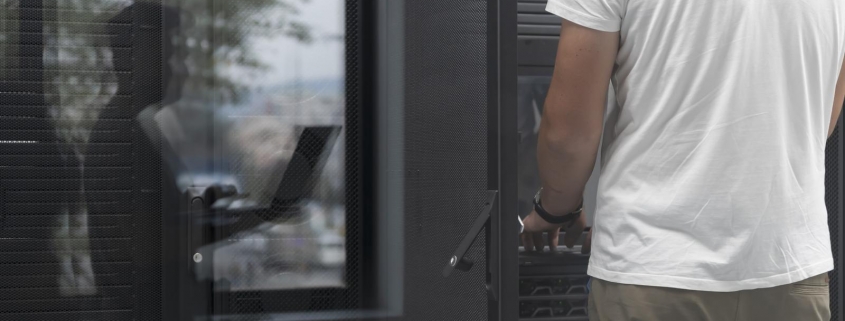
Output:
[[553, 219]]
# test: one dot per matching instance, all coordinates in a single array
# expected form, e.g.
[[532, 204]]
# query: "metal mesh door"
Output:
[[446, 155], [833, 198]]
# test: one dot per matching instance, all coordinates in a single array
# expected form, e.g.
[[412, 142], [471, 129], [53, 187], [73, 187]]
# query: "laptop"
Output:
[[299, 176]]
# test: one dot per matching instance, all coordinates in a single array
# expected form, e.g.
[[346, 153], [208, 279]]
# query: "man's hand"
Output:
[[532, 237]]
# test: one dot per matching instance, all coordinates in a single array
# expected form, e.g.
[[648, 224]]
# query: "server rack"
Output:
[[409, 66], [552, 286], [834, 200]]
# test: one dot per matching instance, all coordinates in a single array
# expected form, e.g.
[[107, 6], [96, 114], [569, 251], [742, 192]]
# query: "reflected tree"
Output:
[[81, 71], [215, 47], [217, 43]]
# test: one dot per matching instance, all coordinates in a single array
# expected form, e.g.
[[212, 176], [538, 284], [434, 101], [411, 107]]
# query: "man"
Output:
[[710, 202]]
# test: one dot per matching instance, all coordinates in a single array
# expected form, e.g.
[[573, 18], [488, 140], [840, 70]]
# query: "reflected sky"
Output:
[[320, 59]]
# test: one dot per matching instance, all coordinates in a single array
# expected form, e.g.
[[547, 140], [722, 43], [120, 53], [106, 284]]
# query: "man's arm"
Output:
[[838, 100], [573, 114]]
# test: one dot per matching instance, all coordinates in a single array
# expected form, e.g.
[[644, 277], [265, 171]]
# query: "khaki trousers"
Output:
[[807, 300]]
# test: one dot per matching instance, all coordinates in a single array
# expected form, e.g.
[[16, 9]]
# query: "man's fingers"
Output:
[[553, 237], [573, 232], [527, 242], [570, 237], [538, 241], [588, 242]]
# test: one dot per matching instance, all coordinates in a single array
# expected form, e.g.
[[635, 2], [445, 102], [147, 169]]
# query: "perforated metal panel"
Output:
[[446, 155], [833, 199], [81, 217]]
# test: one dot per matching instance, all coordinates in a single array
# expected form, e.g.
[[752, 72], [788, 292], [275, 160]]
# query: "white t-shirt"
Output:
[[713, 157]]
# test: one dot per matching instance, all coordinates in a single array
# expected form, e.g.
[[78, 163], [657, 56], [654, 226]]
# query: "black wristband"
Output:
[[548, 217]]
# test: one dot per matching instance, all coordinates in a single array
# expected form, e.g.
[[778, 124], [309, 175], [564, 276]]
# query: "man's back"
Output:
[[713, 159]]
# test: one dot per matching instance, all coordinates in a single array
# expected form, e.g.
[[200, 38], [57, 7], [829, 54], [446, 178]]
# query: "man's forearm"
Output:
[[573, 113], [565, 162]]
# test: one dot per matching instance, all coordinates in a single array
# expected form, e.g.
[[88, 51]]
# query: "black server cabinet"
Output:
[[834, 199], [458, 157], [96, 223]]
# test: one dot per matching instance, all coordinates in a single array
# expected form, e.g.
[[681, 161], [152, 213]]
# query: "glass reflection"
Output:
[[240, 82], [81, 86], [531, 94], [258, 73]]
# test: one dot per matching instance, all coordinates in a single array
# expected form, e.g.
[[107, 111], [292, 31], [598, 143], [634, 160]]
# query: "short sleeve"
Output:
[[603, 15]]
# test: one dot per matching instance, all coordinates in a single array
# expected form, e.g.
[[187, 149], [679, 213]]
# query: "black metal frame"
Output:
[[503, 238], [365, 75]]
